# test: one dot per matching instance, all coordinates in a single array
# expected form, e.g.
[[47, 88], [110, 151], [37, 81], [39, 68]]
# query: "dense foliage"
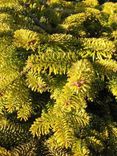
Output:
[[58, 78]]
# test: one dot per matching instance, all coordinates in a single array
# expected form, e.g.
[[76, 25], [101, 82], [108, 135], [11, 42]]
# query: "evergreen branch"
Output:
[[12, 135]]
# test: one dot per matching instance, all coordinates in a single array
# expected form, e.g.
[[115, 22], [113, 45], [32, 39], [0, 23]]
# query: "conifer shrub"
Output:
[[58, 78]]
